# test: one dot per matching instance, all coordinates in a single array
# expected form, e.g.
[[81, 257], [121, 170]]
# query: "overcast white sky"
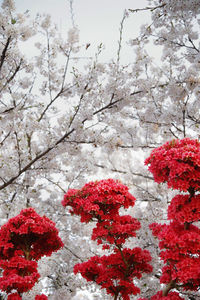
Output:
[[98, 20]]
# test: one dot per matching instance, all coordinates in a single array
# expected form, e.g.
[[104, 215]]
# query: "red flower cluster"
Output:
[[184, 208], [115, 272], [178, 163], [14, 296], [115, 231], [181, 253], [170, 296], [24, 239], [100, 201], [41, 297]]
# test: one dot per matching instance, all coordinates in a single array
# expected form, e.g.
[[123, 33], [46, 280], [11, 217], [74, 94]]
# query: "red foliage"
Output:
[[41, 297], [112, 271], [181, 253], [18, 274], [116, 230], [178, 163], [184, 208], [14, 296], [170, 296], [23, 240], [33, 235], [100, 201]]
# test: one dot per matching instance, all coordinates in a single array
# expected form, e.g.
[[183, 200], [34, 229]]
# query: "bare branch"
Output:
[[7, 135], [12, 76], [120, 36], [147, 8], [72, 12], [38, 157], [56, 184], [74, 254], [18, 150], [3, 55], [125, 172]]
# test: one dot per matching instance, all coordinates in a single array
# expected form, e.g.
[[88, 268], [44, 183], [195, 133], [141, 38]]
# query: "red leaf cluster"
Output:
[[41, 297], [116, 271], [170, 296], [115, 231], [184, 208], [178, 163], [181, 253], [24, 239], [100, 201]]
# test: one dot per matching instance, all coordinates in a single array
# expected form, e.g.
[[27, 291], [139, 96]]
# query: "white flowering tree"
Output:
[[62, 123]]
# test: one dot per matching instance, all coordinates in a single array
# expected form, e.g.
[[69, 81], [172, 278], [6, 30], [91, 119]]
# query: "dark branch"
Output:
[[3, 55]]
